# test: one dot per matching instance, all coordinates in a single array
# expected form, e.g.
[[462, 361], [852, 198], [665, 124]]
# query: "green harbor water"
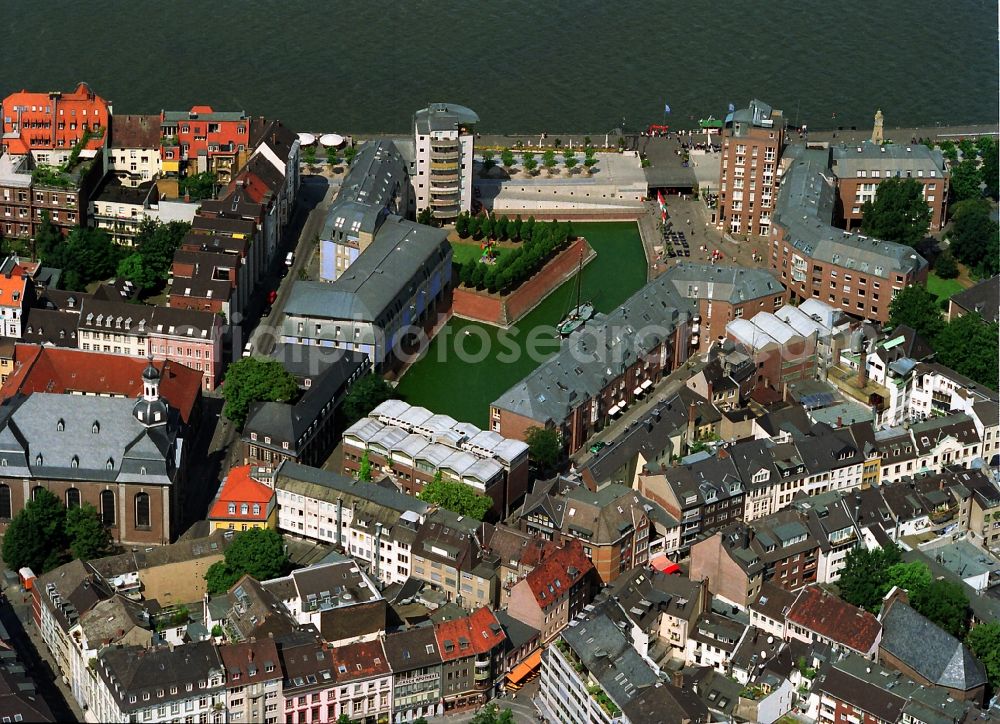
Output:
[[444, 383], [362, 67]]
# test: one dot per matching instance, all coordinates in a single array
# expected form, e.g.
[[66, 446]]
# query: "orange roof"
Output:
[[240, 488], [61, 370], [12, 287], [477, 633], [558, 572], [42, 114]]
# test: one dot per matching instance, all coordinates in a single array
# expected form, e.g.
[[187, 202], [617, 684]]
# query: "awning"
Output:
[[615, 410], [663, 564], [520, 672], [637, 390], [646, 385]]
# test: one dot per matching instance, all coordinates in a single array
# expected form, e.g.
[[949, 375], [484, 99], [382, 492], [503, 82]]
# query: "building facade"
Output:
[[444, 137]]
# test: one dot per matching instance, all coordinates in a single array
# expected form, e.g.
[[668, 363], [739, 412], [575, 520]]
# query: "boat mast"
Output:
[[579, 275]]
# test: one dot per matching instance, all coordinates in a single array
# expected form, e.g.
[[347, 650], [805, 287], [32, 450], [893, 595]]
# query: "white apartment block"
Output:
[[444, 138]]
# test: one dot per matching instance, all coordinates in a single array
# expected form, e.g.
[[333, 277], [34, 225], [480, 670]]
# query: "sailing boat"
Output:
[[581, 312]]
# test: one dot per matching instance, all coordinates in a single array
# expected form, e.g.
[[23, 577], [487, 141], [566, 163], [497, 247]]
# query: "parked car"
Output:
[[598, 446], [289, 258], [248, 348]]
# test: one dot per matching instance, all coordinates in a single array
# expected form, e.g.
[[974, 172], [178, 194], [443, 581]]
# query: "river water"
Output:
[[364, 66]]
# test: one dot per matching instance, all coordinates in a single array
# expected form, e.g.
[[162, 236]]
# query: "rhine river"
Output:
[[360, 66]]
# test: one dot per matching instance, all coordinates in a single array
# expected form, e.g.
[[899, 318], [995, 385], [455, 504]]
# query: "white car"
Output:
[[248, 349], [289, 258]]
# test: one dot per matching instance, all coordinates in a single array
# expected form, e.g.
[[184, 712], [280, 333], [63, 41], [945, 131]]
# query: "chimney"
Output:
[[862, 371], [692, 417], [840, 421]]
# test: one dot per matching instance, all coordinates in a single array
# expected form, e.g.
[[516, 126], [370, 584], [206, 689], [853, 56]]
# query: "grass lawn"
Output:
[[463, 252], [942, 288], [443, 383]]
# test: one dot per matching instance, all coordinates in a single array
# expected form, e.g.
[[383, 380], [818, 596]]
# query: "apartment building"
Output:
[[471, 650], [134, 149], [444, 137], [161, 684], [376, 186], [815, 260], [555, 591], [17, 292], [599, 372], [253, 681], [861, 168], [418, 684], [752, 142], [243, 503], [448, 554], [721, 294], [308, 688], [364, 683], [412, 445], [398, 283], [48, 125], [204, 140]]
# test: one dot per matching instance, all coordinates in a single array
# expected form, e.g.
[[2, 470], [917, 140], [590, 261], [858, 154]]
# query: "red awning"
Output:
[[664, 564]]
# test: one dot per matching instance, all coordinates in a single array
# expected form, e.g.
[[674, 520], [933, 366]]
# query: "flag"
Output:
[[663, 204], [731, 108], [666, 109]]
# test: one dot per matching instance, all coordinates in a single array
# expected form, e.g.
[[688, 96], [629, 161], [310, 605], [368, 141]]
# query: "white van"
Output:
[[289, 258]]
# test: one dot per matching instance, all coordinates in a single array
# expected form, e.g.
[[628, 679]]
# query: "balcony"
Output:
[[445, 155], [445, 166]]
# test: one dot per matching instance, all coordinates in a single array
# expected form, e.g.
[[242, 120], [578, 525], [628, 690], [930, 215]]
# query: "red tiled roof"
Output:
[[39, 123], [240, 488], [477, 633], [360, 660], [14, 282], [255, 655], [835, 619], [558, 572], [62, 370]]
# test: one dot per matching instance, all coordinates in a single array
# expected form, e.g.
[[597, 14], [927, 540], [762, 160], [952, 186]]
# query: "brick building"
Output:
[[752, 141], [48, 125], [471, 650], [204, 140], [851, 272]]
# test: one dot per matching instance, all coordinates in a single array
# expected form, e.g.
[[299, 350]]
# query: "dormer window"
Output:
[[38, 459], [110, 464], [96, 427], [60, 426], [75, 462]]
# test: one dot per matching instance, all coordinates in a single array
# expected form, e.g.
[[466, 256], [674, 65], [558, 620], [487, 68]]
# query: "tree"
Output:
[[345, 719], [350, 153], [965, 180], [88, 538], [917, 308], [570, 159], [425, 217], [309, 155], [545, 447], [492, 714], [989, 172], [984, 640], [47, 238], [134, 269], [898, 213], [250, 380], [549, 159], [365, 468], [259, 552], [331, 156], [488, 161], [202, 185], [945, 266], [507, 158], [973, 237], [476, 227], [864, 574], [456, 497], [969, 346], [157, 243], [364, 396], [36, 537], [462, 226], [944, 603], [911, 577], [529, 162]]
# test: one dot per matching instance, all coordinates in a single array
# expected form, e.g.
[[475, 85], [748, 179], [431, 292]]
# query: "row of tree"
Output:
[[974, 238], [529, 163], [978, 167], [44, 534], [967, 344], [868, 575], [520, 264]]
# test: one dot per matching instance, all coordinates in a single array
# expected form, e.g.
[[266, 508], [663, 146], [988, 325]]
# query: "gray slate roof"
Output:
[[984, 298], [929, 650], [367, 192], [891, 157], [805, 208], [326, 485], [378, 282], [721, 283], [598, 353]]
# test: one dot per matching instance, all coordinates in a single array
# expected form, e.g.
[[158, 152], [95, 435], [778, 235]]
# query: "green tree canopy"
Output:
[[85, 255], [545, 446], [365, 468], [549, 159], [493, 714], [88, 538], [989, 172], [456, 497], [970, 346], [47, 237], [136, 271], [364, 396], [984, 640], [157, 243], [200, 185], [965, 180], [528, 161], [917, 308], [507, 158], [973, 238], [945, 266], [425, 217], [331, 155], [944, 603], [259, 552], [898, 213], [250, 380], [911, 577], [36, 536], [865, 574], [350, 153]]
